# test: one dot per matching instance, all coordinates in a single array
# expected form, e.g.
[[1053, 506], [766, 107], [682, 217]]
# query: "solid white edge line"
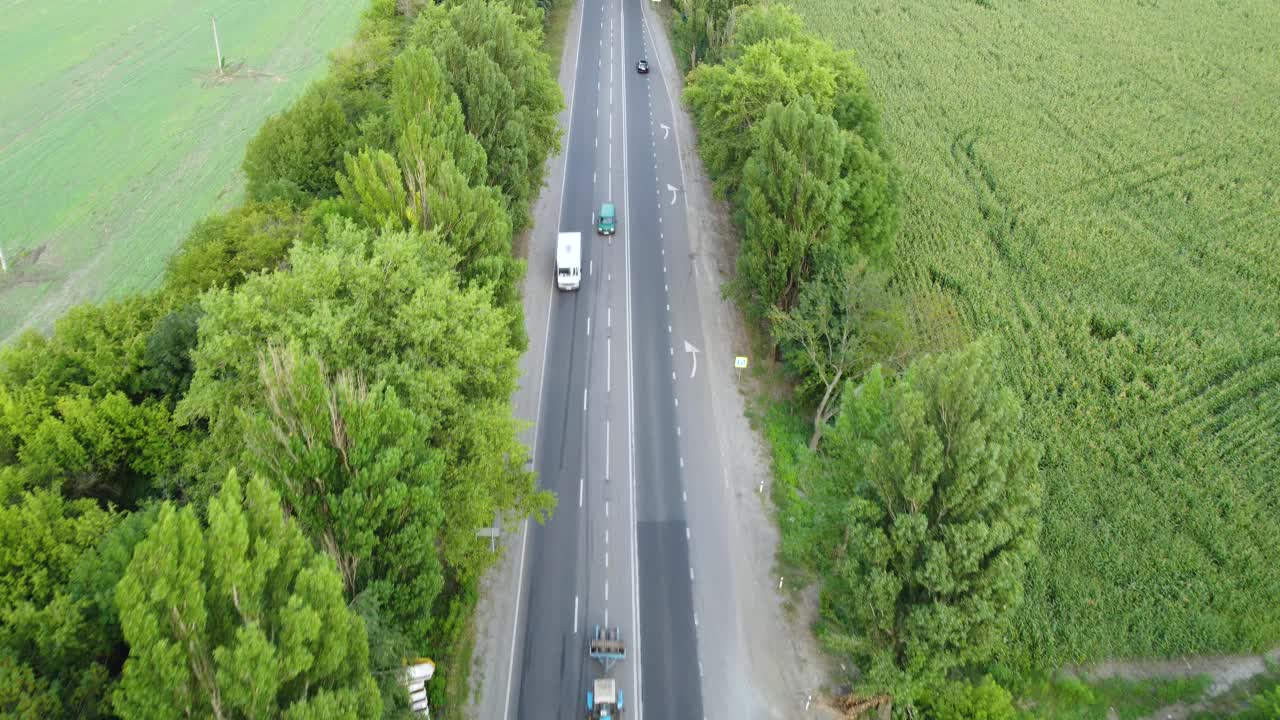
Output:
[[537, 413]]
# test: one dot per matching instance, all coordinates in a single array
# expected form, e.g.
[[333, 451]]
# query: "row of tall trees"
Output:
[[915, 501], [254, 492]]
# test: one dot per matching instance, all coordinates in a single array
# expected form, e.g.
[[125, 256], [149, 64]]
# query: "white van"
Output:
[[569, 260]]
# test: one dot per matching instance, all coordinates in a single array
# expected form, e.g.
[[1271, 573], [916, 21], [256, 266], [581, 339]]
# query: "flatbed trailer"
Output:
[[607, 647]]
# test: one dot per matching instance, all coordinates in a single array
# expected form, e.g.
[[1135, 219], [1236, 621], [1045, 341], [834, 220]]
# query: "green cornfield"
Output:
[[1096, 183], [118, 132]]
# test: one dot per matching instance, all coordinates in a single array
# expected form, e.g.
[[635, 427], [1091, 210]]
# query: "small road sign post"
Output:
[[739, 364]]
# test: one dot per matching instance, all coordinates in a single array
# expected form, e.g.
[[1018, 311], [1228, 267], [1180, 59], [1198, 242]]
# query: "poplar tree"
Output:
[[391, 306], [792, 196], [943, 517], [355, 469], [239, 619], [510, 99]]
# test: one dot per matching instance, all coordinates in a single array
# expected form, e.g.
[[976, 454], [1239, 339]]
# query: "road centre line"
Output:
[[582, 486], [575, 614], [636, 678], [584, 399]]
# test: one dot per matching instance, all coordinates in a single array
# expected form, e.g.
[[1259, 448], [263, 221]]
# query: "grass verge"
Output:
[[1070, 698]]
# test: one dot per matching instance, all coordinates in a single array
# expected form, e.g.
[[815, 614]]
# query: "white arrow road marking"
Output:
[[673, 190], [666, 130], [689, 348]]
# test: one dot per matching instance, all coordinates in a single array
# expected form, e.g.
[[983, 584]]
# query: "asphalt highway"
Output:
[[608, 439]]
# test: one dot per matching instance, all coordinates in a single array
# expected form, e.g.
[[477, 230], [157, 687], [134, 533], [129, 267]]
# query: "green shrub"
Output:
[[958, 700]]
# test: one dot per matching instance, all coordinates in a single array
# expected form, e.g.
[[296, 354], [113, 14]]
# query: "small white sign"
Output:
[[740, 362]]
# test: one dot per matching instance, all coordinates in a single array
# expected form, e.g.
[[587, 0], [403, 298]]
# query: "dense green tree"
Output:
[[23, 695], [107, 448], [96, 349], [389, 645], [53, 646], [757, 22], [372, 186], [240, 619], [391, 306], [792, 195], [471, 220], [510, 100], [297, 152], [356, 472], [223, 250], [361, 69], [702, 29], [422, 98], [870, 202], [943, 516], [531, 13], [439, 183], [168, 353], [78, 408], [729, 99], [846, 320], [959, 700]]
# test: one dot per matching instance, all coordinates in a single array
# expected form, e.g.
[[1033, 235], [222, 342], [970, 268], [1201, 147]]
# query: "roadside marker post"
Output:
[[739, 363]]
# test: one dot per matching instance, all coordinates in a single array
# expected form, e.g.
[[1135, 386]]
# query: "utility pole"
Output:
[[3, 265], [216, 45]]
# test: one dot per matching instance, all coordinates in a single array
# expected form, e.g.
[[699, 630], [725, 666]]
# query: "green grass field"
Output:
[[1097, 184], [116, 134]]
